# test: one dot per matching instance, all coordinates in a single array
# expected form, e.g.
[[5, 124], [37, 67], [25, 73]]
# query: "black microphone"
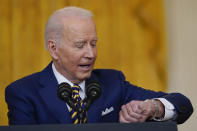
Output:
[[64, 92], [93, 91]]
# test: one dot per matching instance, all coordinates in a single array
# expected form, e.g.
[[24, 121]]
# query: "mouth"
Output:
[[86, 67]]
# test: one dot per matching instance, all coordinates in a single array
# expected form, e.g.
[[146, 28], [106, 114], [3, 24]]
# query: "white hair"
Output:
[[54, 26]]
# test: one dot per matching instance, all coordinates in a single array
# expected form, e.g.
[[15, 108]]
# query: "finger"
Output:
[[132, 120], [136, 107], [143, 106], [132, 113], [121, 118], [143, 118], [126, 116], [146, 108]]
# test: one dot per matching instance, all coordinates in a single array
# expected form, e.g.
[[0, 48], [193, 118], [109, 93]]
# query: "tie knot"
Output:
[[76, 88]]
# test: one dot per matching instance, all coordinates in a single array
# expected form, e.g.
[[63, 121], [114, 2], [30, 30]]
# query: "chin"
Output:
[[85, 76]]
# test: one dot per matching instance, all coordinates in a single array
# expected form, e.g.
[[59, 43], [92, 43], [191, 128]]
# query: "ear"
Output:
[[52, 47]]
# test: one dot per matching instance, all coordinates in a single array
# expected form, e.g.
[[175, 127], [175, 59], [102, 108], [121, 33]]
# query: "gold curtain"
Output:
[[131, 38]]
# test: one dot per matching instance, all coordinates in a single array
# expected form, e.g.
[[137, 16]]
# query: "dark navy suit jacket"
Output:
[[34, 100]]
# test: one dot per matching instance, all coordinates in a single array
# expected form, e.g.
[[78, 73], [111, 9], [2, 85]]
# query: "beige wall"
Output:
[[182, 42]]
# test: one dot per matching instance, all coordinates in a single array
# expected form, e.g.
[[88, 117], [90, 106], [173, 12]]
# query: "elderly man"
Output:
[[70, 37]]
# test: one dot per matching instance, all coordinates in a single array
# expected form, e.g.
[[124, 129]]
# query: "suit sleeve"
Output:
[[182, 104], [20, 110]]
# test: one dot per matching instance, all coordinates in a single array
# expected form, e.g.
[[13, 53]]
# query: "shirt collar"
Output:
[[60, 78]]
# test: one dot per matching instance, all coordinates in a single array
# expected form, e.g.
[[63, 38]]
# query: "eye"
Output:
[[80, 44], [93, 43]]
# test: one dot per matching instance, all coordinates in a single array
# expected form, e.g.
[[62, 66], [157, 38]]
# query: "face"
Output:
[[75, 55]]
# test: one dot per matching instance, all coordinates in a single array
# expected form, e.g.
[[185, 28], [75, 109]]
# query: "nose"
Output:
[[90, 52]]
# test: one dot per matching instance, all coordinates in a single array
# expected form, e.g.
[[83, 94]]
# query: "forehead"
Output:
[[79, 28]]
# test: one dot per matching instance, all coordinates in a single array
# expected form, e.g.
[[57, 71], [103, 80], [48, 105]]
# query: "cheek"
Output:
[[95, 51], [95, 54], [66, 56], [72, 60]]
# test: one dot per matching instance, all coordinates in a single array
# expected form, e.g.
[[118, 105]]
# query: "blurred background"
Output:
[[152, 41]]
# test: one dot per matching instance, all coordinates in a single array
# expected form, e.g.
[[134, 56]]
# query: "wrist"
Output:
[[159, 109]]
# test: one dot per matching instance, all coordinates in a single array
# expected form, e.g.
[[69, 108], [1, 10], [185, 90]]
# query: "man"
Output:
[[70, 37]]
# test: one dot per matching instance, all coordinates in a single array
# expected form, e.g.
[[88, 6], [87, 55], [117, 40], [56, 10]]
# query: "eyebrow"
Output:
[[82, 40]]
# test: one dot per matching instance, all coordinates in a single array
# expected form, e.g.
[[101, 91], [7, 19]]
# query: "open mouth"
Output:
[[85, 66]]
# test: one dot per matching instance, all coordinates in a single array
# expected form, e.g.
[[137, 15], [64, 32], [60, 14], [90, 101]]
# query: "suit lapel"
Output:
[[48, 93]]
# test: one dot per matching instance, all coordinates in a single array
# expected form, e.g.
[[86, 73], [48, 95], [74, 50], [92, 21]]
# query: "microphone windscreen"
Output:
[[64, 91], [93, 90]]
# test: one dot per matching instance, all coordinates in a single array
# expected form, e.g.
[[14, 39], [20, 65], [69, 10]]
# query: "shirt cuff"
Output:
[[169, 110]]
